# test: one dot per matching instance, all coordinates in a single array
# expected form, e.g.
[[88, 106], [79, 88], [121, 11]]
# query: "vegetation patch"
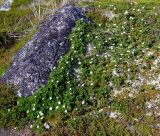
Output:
[[108, 83]]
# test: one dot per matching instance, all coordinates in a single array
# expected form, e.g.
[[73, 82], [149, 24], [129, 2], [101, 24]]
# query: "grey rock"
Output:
[[33, 64], [88, 8], [7, 5], [110, 14]]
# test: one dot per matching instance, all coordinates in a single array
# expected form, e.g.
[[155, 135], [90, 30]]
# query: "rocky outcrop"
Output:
[[34, 62], [7, 5]]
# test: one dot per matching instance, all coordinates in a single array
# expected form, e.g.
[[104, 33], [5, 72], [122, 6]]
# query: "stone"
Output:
[[33, 64], [110, 14], [7, 5]]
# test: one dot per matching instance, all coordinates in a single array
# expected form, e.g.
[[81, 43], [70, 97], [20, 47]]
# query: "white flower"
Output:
[[79, 62], [131, 18], [126, 12], [150, 53], [46, 126], [50, 98], [131, 95], [111, 47], [64, 106], [65, 111], [114, 114], [91, 97], [31, 126], [37, 126], [33, 108], [100, 24], [38, 116], [100, 110], [19, 94], [114, 72], [50, 108], [83, 102], [41, 113], [135, 3], [138, 10], [72, 47], [57, 107], [91, 83]]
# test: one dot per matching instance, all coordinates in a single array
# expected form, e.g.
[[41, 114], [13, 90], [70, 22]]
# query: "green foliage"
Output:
[[7, 54], [8, 100], [18, 3], [12, 22], [101, 86]]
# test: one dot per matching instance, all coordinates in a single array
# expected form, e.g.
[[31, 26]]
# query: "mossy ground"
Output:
[[108, 83]]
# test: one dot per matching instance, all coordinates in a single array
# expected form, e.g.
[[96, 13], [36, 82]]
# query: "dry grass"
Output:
[[1, 2]]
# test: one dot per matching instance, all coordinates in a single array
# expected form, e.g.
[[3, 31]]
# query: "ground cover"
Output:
[[109, 81]]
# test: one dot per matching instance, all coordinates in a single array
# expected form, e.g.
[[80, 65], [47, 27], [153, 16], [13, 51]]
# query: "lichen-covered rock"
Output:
[[34, 62]]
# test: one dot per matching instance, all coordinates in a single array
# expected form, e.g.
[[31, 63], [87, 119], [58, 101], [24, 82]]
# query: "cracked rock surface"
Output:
[[33, 64]]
